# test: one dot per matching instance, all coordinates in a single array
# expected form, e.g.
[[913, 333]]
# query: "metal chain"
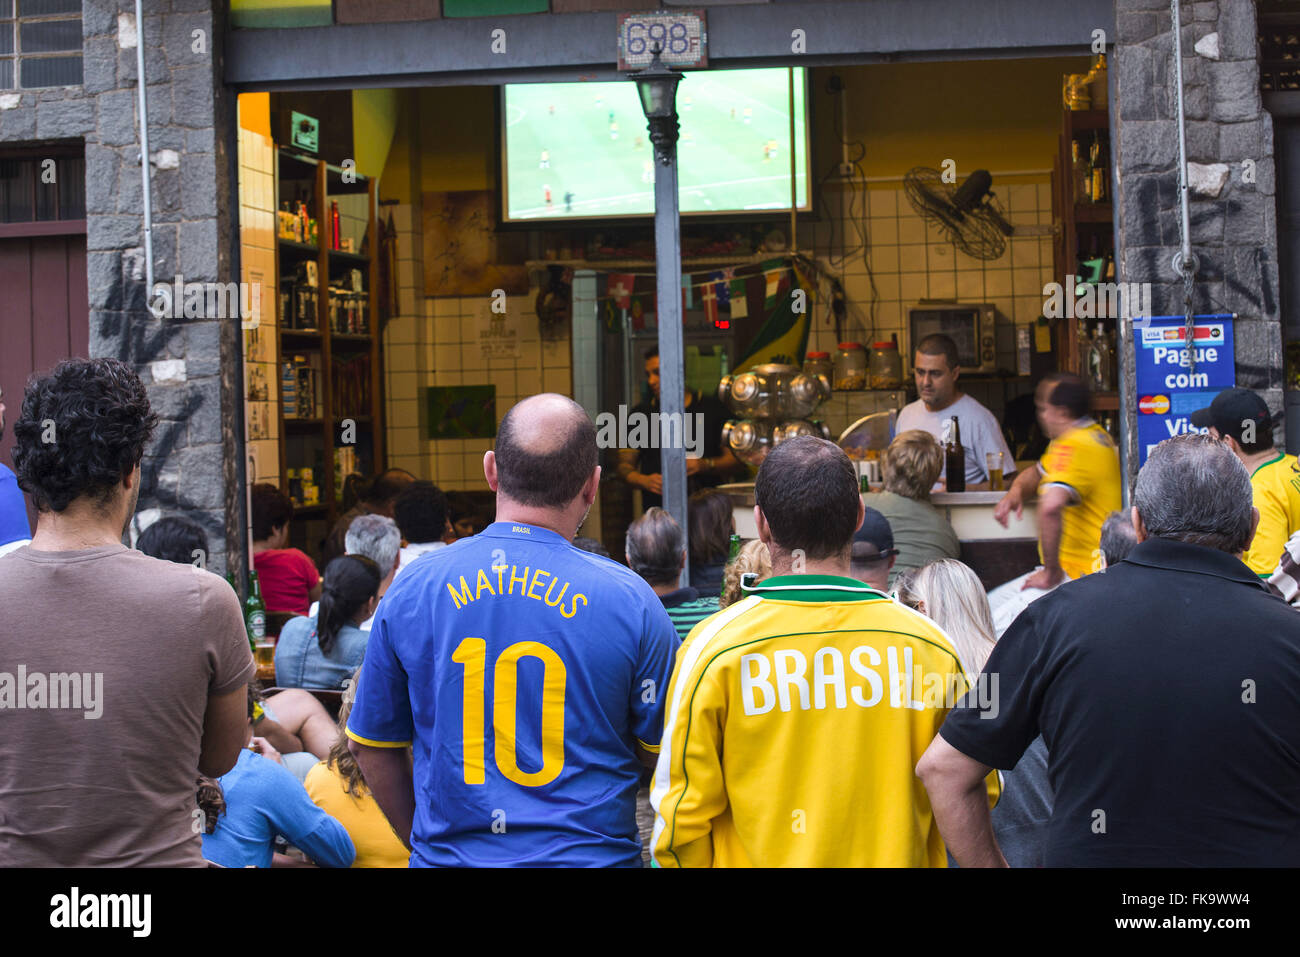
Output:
[[1185, 261]]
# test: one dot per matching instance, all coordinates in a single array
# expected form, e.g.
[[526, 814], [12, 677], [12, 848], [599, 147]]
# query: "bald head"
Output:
[[545, 451]]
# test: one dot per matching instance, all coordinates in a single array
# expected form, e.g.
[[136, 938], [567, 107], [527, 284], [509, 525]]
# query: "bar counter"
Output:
[[996, 554]]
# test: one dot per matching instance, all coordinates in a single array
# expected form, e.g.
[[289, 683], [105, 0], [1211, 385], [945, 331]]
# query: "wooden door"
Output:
[[45, 315]]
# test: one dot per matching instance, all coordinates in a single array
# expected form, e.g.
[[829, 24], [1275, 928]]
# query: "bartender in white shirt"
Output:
[[936, 367]]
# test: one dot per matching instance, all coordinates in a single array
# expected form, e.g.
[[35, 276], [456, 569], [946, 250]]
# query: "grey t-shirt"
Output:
[[129, 648], [921, 534], [1020, 820], [980, 433]]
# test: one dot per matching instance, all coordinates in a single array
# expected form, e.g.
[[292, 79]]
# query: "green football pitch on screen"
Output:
[[577, 150]]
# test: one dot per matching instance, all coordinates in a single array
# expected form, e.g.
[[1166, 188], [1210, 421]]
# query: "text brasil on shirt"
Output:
[[522, 672]]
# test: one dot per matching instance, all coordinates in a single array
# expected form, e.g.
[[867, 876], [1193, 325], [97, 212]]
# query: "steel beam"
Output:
[[581, 46]]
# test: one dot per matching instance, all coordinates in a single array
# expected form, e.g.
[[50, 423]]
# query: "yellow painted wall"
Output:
[[994, 114], [255, 112], [375, 115], [458, 132], [457, 142]]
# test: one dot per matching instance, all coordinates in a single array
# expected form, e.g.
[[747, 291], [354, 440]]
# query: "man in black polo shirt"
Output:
[[1167, 691], [641, 468]]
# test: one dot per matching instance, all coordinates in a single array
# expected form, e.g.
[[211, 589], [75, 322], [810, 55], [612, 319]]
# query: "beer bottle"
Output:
[[732, 552], [254, 612], [954, 458]]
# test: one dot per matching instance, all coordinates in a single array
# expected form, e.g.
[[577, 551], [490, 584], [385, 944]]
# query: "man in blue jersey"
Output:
[[526, 677], [15, 532]]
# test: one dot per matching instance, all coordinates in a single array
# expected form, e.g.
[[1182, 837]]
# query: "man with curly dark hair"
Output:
[[103, 646], [14, 530]]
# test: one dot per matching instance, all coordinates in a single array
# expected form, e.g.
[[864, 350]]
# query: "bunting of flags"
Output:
[[619, 288], [724, 296]]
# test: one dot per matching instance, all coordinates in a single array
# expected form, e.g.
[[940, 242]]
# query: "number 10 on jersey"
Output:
[[472, 654]]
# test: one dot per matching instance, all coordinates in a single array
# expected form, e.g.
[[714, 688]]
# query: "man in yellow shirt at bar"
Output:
[[1077, 483], [1240, 419], [795, 717]]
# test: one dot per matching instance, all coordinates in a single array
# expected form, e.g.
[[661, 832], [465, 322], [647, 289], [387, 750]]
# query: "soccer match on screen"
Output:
[[581, 149]]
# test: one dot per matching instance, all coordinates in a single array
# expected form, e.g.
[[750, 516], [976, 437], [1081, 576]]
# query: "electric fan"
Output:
[[966, 214]]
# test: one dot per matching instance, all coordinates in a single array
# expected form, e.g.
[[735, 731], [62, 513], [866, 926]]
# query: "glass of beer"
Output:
[[993, 460], [265, 656]]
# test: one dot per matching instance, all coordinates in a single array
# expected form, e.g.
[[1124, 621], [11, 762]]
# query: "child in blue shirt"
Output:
[[263, 800]]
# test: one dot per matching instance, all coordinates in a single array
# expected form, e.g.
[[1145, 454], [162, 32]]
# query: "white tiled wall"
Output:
[[912, 260], [433, 342], [257, 255]]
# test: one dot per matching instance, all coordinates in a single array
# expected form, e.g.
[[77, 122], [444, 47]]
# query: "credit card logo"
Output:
[[1153, 404]]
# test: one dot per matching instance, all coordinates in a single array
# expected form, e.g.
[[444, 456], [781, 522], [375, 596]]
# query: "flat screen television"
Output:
[[581, 150]]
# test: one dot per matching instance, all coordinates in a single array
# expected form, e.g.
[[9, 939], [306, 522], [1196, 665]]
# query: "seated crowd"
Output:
[[696, 720]]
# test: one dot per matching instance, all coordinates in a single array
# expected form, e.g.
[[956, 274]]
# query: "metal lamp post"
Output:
[[657, 87]]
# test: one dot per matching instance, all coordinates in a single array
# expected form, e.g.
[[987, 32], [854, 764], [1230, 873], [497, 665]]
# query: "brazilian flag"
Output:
[[783, 337]]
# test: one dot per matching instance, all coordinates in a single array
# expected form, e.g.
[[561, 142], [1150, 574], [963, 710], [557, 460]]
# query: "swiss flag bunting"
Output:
[[619, 288]]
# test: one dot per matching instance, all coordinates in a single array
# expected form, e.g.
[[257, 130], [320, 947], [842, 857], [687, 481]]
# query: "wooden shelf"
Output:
[[313, 181], [1079, 120], [1092, 212], [305, 250], [309, 511], [356, 259], [1081, 224], [1105, 401]]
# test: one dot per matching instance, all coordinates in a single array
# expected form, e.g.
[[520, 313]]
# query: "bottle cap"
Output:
[[884, 345], [850, 345], [819, 355]]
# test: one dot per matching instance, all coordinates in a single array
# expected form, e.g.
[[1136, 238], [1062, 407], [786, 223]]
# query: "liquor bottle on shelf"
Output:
[[1098, 368], [1079, 175], [334, 224], [1083, 349], [1097, 171], [954, 458], [1112, 358]]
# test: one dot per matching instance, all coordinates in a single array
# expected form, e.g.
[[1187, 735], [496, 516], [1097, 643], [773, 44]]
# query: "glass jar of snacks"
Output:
[[817, 365], [885, 368], [850, 367]]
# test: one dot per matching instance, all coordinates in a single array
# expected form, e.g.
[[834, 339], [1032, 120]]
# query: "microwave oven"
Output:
[[972, 326]]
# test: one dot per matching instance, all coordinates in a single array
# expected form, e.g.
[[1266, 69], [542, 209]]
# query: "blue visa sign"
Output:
[[1169, 388]]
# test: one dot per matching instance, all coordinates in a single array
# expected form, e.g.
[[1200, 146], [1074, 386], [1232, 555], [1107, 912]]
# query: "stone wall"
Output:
[[190, 367], [1232, 207]]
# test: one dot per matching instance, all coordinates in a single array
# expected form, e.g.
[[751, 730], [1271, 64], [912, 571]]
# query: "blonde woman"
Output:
[[753, 558], [337, 787], [949, 594], [910, 467]]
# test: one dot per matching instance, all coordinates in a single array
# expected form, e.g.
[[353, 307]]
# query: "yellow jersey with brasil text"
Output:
[[1085, 461], [794, 722], [1276, 487]]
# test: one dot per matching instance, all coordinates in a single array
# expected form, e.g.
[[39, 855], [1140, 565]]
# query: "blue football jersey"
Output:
[[522, 672]]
